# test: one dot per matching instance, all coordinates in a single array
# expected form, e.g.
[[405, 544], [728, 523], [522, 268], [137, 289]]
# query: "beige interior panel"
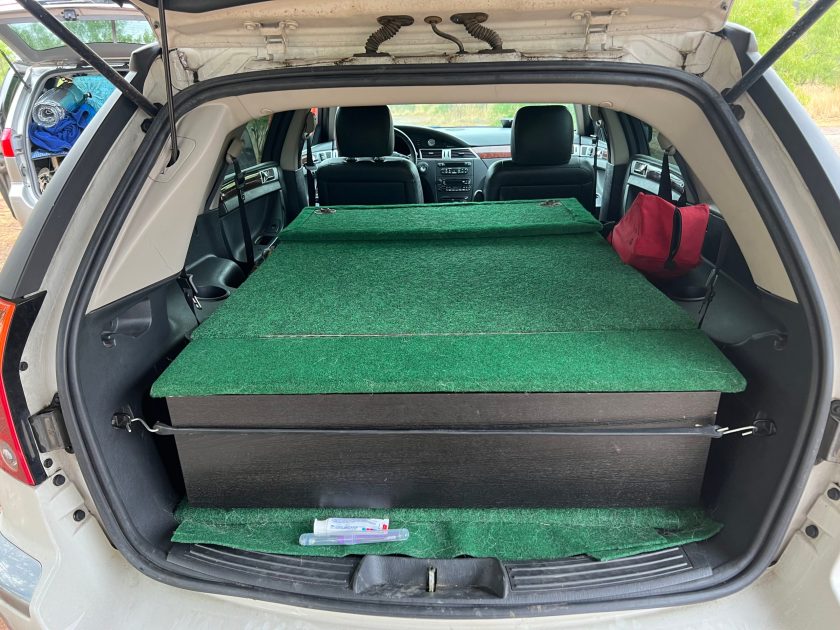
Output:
[[153, 243]]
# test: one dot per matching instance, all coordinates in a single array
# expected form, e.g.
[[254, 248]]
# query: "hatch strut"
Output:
[[778, 49], [83, 50], [14, 70], [167, 75]]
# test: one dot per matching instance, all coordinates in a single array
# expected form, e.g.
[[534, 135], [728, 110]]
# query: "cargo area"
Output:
[[387, 308], [548, 423]]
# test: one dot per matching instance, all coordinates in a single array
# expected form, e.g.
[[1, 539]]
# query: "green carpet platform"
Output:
[[487, 355], [542, 534]]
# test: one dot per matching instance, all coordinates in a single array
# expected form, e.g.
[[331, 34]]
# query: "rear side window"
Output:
[[253, 143]]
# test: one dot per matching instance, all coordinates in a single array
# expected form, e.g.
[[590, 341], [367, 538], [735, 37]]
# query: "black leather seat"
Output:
[[541, 164], [366, 173]]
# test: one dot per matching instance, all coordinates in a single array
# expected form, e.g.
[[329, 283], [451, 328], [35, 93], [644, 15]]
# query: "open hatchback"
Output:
[[361, 264]]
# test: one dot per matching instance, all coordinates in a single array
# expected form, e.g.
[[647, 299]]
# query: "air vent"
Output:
[[462, 154], [431, 154]]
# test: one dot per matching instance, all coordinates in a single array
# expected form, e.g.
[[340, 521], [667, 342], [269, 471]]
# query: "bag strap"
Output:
[[676, 239], [665, 192]]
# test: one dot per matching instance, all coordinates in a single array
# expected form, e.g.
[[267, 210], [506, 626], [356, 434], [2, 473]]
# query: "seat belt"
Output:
[[239, 183], [308, 130], [711, 281], [187, 286]]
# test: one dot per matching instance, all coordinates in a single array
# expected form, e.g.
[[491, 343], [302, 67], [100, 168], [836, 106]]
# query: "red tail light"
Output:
[[6, 143], [12, 458]]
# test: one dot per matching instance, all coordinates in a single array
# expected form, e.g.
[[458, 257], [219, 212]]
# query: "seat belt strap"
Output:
[[187, 286], [239, 183], [595, 169], [711, 281], [310, 171]]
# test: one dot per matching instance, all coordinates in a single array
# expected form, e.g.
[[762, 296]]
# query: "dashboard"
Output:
[[453, 161]]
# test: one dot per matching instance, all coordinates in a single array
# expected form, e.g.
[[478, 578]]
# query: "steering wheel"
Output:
[[412, 150]]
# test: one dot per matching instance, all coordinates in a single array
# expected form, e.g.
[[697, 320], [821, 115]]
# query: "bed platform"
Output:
[[459, 355]]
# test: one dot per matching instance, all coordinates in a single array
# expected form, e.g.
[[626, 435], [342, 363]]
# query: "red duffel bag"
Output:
[[658, 238]]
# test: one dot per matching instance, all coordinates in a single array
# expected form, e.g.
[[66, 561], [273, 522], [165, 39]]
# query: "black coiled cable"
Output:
[[391, 25], [475, 29]]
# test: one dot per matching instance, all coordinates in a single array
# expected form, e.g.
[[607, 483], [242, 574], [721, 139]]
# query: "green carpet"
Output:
[[521, 284], [500, 313], [452, 220], [563, 362], [507, 534]]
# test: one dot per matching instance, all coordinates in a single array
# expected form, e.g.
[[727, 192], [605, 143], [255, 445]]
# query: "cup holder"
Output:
[[687, 293], [211, 293]]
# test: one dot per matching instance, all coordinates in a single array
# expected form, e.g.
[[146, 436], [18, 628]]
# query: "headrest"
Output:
[[542, 135], [364, 131]]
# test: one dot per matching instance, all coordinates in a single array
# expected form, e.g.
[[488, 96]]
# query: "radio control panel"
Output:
[[454, 181]]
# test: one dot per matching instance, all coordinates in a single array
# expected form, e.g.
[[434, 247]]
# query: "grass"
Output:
[[812, 65]]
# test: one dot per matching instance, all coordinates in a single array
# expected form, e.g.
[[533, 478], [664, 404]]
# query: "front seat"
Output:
[[541, 164], [366, 173]]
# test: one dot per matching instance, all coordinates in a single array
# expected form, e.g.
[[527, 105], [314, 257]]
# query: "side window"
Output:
[[253, 143], [655, 150]]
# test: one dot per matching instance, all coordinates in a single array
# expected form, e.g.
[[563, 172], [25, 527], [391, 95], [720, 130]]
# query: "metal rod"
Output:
[[96, 62], [14, 70], [704, 431], [778, 49], [167, 74]]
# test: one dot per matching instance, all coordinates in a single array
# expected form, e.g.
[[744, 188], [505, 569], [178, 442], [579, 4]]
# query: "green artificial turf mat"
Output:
[[680, 360], [524, 284], [506, 534], [453, 220]]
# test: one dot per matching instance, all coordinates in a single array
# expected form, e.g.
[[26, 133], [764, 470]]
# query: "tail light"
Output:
[[13, 460], [6, 143]]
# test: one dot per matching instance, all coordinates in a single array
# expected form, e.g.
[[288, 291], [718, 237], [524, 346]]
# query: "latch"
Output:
[[276, 35], [49, 428], [762, 426], [598, 26]]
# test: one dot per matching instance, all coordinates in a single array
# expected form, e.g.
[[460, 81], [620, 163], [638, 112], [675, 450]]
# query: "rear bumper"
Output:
[[19, 575], [72, 576]]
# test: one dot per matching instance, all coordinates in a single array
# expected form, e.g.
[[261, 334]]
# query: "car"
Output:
[[32, 153], [316, 265]]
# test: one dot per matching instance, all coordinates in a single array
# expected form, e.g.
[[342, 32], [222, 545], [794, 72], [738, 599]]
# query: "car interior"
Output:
[[259, 420]]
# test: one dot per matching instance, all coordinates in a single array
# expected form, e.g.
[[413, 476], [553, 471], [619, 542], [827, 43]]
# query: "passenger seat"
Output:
[[541, 164]]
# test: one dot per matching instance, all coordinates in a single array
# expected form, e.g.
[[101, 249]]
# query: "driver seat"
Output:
[[366, 173]]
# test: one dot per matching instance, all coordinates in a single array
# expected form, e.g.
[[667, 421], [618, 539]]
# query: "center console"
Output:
[[451, 174]]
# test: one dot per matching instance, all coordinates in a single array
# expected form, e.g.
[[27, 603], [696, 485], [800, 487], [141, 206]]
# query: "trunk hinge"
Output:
[[96, 62], [808, 19], [275, 34], [49, 428], [598, 27]]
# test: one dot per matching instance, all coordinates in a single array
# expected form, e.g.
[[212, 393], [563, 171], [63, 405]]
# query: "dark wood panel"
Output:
[[434, 470], [439, 411]]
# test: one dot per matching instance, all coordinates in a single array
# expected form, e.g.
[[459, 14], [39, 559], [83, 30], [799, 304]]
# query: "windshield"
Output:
[[37, 37], [463, 115]]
